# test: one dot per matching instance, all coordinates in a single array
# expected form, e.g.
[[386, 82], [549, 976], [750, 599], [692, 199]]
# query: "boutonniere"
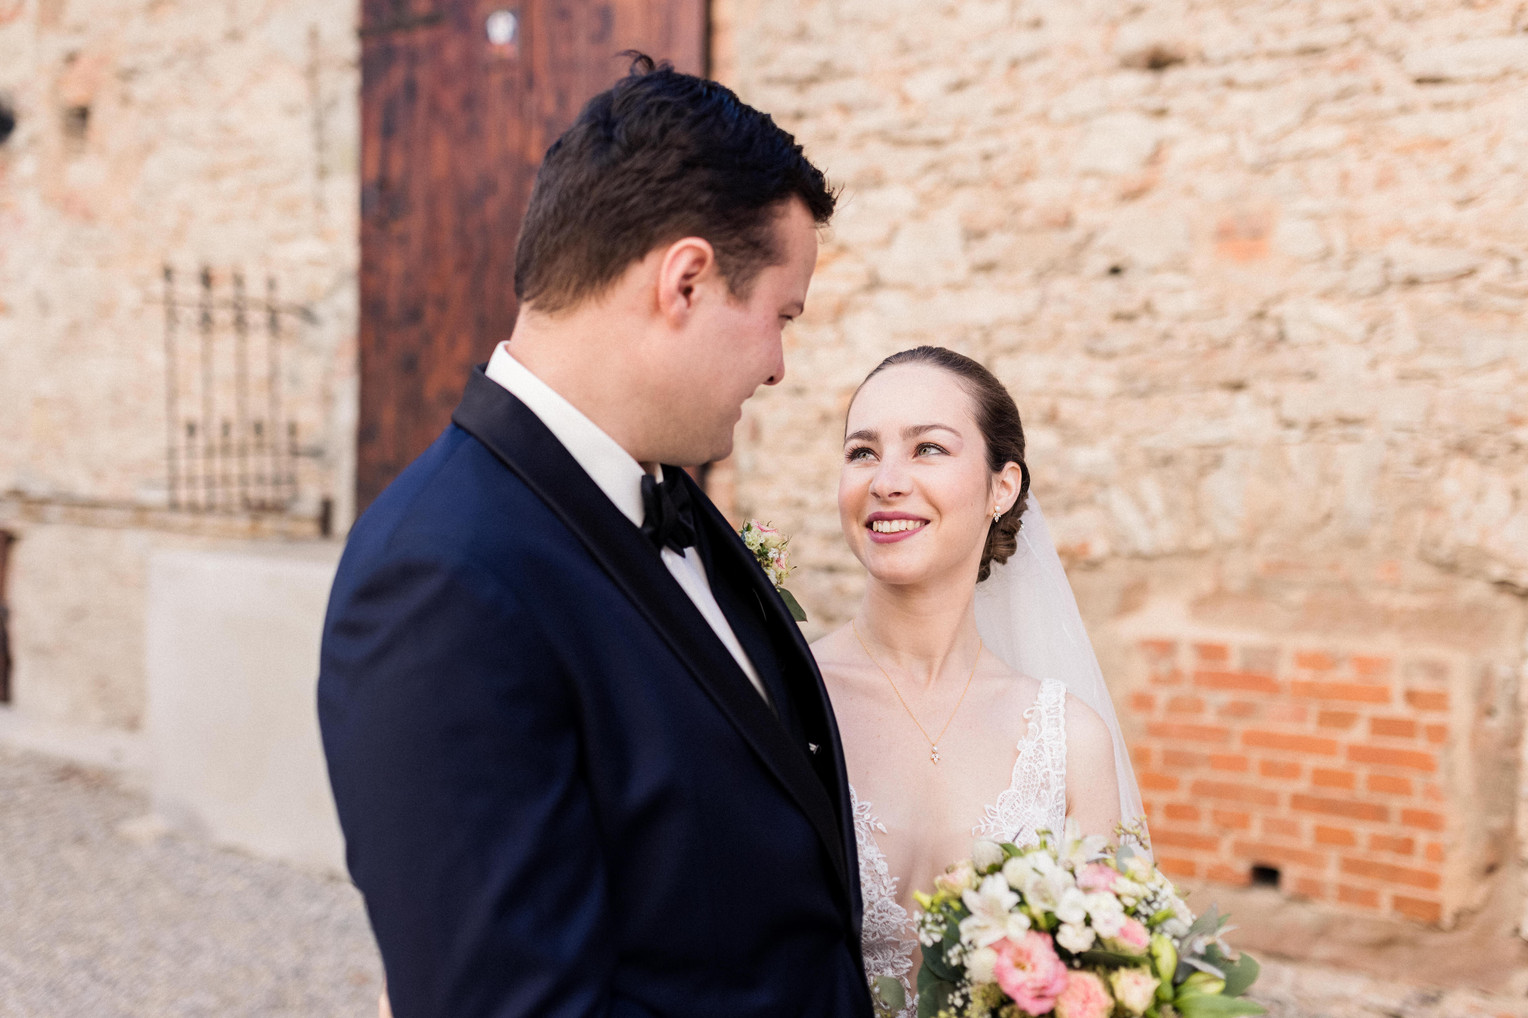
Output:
[[768, 546]]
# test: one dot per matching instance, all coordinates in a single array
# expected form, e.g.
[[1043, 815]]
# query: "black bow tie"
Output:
[[668, 518]]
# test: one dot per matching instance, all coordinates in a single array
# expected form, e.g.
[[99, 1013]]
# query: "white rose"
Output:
[[1075, 937], [1106, 913], [980, 964], [957, 878], [1134, 988], [1017, 872], [986, 855]]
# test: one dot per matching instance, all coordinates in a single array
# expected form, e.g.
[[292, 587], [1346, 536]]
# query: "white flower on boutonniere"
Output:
[[768, 546]]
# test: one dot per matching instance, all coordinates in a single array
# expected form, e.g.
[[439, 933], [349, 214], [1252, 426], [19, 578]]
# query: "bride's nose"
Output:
[[890, 479]]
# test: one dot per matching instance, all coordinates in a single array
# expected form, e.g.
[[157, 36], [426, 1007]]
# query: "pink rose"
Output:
[[1029, 972], [1085, 996], [1132, 938], [1097, 876]]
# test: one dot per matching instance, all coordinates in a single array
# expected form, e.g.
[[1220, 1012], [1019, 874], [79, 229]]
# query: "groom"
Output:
[[583, 760]]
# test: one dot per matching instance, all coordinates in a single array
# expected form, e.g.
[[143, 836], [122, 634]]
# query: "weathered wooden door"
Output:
[[459, 101]]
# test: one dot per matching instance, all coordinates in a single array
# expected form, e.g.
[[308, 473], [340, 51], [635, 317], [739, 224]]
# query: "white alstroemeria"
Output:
[[1046, 885], [1106, 913], [991, 918], [986, 855], [1077, 850], [980, 965], [1075, 937], [1073, 906]]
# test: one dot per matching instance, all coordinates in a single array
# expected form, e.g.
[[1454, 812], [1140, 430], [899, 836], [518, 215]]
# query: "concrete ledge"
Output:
[[232, 662], [125, 754]]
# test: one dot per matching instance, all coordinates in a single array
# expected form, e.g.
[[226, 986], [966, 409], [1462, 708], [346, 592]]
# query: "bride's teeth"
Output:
[[894, 526]]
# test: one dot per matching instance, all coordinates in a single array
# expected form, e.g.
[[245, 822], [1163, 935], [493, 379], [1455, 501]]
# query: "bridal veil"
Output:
[[1027, 616]]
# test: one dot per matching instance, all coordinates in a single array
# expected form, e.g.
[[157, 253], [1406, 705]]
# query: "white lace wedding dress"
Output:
[[1034, 800]]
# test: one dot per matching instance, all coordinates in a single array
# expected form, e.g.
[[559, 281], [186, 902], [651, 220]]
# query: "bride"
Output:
[[966, 691]]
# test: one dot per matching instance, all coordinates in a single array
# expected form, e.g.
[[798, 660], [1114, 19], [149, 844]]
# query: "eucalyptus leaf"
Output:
[[890, 994], [791, 604], [1200, 965], [933, 993], [1241, 974], [1207, 924], [934, 958]]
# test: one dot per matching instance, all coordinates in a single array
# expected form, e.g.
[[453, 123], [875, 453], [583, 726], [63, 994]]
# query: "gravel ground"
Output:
[[101, 918]]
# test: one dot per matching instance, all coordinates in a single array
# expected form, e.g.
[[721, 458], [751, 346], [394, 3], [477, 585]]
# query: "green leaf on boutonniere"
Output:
[[792, 604]]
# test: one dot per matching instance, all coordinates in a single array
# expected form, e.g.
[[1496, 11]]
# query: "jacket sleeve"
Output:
[[456, 762]]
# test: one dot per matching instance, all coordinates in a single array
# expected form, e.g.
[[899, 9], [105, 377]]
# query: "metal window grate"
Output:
[[231, 446]]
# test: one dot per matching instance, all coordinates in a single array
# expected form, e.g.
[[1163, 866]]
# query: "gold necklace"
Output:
[[933, 744]]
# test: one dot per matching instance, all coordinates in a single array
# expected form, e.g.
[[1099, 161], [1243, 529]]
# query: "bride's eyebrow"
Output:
[[922, 429], [863, 435]]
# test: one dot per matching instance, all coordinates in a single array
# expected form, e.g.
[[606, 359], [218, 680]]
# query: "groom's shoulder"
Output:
[[456, 500]]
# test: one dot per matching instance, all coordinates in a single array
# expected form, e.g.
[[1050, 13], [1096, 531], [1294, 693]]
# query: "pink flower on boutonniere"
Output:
[[768, 546]]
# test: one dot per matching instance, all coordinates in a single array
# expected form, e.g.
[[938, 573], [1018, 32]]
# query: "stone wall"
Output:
[[153, 134], [1255, 274]]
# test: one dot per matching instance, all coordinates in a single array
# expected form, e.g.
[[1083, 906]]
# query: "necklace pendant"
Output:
[[933, 754]]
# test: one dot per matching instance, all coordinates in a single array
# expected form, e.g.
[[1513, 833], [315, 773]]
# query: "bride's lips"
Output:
[[918, 523]]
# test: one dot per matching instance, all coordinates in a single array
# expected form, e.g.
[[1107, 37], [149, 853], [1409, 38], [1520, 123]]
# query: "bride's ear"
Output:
[[1006, 485], [687, 264]]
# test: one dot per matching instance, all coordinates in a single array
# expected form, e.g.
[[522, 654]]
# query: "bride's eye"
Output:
[[929, 447], [858, 454]]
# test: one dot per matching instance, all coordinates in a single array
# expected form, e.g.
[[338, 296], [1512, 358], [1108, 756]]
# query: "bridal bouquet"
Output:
[[1072, 929]]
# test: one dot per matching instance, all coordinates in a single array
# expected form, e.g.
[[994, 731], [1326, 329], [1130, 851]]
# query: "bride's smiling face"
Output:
[[915, 496]]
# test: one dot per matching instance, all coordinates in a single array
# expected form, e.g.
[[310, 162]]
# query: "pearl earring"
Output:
[[996, 515]]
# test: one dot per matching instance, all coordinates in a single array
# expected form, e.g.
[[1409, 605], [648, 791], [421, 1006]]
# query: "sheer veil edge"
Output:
[[1027, 615]]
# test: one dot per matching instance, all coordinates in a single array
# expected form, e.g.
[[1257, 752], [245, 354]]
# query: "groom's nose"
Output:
[[777, 375]]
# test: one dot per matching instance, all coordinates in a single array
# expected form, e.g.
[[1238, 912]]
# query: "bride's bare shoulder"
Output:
[[1019, 689], [835, 654]]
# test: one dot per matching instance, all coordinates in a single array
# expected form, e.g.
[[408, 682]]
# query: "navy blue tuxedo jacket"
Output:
[[560, 794]]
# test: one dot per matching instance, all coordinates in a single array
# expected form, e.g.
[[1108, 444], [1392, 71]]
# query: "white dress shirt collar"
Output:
[[610, 466]]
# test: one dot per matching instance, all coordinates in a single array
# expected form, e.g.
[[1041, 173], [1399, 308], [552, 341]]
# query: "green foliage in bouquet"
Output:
[[1072, 928]]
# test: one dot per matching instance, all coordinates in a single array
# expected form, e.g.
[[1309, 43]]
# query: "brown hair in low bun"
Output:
[[998, 418]]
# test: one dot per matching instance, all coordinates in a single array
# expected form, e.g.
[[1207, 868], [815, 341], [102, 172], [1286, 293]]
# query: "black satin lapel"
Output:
[[731, 557], [492, 415], [734, 595]]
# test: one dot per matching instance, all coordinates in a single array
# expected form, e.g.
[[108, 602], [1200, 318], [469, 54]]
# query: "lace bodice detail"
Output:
[[1034, 800]]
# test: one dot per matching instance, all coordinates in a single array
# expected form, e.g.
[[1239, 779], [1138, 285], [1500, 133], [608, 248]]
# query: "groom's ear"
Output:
[[687, 264]]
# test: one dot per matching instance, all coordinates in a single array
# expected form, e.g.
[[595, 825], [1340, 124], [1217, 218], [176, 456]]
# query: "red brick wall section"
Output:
[[1324, 766]]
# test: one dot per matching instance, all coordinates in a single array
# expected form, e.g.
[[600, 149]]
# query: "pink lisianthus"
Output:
[[1085, 996], [1097, 876], [1132, 938], [1029, 972]]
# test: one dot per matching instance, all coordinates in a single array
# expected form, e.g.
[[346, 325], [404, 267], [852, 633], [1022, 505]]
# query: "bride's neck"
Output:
[[918, 631]]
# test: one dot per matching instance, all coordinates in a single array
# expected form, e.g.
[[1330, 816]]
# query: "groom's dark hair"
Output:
[[659, 156]]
